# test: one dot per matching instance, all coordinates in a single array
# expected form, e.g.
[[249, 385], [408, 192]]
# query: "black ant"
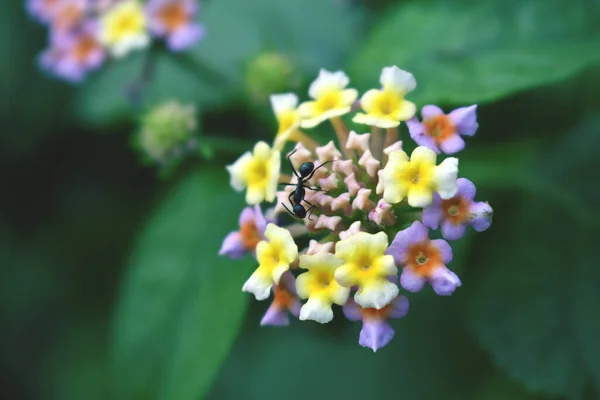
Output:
[[307, 170]]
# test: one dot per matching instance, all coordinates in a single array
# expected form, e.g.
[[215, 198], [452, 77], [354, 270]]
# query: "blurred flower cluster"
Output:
[[83, 34], [368, 207]]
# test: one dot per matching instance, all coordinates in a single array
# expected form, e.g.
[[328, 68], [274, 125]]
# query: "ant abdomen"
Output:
[[299, 211]]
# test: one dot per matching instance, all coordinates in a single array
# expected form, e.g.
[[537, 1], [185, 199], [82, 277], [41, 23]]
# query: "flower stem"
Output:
[[342, 134], [200, 70], [391, 137], [135, 90], [376, 142]]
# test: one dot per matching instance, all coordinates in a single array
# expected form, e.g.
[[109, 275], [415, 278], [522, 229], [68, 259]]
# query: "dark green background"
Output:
[[110, 283]]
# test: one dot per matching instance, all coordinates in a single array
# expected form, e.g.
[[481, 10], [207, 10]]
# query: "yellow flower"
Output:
[[274, 258], [258, 172], [319, 286], [123, 28], [285, 109], [331, 98], [367, 266], [385, 108], [418, 177]]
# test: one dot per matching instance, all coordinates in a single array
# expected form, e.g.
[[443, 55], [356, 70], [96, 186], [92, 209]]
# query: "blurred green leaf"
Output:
[[526, 296], [430, 357], [181, 303], [478, 52], [499, 387], [211, 73]]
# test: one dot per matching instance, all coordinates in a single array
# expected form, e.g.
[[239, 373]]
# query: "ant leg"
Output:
[[314, 170], [288, 210], [287, 184], [292, 165], [310, 211], [290, 199], [315, 189]]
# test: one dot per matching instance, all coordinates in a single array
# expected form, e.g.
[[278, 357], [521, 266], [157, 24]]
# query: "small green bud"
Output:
[[168, 132], [269, 73]]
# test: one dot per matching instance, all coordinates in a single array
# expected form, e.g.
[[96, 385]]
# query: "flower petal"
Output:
[[232, 246], [236, 171], [465, 119], [326, 81], [317, 310], [275, 316], [481, 214], [398, 80], [444, 248], [423, 155], [444, 282], [377, 294], [445, 177], [452, 231], [420, 196], [284, 102], [398, 308], [258, 284], [430, 111], [375, 334], [352, 311], [452, 144], [406, 238], [466, 188], [411, 281], [433, 213]]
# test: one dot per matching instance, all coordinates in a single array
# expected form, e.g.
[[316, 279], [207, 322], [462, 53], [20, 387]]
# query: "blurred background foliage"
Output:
[[111, 285]]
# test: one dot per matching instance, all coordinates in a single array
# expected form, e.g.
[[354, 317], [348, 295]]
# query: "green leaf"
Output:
[[529, 298], [430, 357], [181, 304], [483, 51]]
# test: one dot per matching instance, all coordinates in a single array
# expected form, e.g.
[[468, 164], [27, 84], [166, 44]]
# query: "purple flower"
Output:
[[455, 214], [423, 260], [74, 54], [252, 228], [439, 131], [376, 332], [285, 301], [174, 20], [43, 10]]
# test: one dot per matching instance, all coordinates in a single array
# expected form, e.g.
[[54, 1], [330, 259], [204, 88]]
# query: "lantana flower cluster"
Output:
[[83, 34], [379, 217]]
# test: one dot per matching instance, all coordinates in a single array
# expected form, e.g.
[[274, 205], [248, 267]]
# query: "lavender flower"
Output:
[[376, 332], [73, 55], [440, 131], [285, 301], [455, 214], [252, 228], [423, 260], [174, 21]]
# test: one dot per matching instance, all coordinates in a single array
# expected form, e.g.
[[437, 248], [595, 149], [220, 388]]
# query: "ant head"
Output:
[[306, 168], [299, 211]]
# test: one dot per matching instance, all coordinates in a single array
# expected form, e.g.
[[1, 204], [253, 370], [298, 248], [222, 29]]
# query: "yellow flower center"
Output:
[[416, 174], [386, 103], [270, 257], [256, 173], [125, 20], [329, 100]]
